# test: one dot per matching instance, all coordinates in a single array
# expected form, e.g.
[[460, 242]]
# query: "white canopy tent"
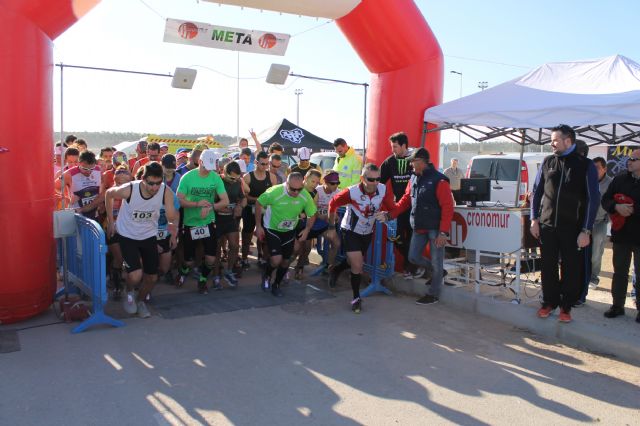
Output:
[[600, 98]]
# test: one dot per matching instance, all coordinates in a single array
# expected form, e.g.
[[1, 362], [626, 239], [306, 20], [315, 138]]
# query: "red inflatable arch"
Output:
[[392, 38]]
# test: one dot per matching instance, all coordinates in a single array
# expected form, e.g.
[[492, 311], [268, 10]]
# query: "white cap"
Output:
[[209, 159], [304, 153], [164, 145]]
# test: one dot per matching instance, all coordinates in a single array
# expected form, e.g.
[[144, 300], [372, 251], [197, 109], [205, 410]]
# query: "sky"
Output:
[[493, 41]]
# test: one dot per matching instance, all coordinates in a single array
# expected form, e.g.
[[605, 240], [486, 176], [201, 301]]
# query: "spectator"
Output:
[[454, 174], [622, 200], [565, 202], [599, 235], [429, 195], [348, 164]]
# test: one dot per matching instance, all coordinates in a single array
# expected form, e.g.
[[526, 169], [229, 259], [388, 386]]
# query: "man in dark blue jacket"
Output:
[[564, 206]]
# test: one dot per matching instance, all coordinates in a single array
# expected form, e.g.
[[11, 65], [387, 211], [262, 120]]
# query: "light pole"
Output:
[[460, 74], [483, 85], [298, 92]]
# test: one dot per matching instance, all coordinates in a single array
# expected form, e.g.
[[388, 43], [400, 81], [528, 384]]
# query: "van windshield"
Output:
[[495, 169]]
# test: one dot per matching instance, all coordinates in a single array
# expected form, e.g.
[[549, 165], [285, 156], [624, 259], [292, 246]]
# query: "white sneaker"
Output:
[[129, 303], [143, 311], [419, 273], [592, 285], [407, 275]]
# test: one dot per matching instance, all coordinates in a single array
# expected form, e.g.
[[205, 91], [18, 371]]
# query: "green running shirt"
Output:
[[282, 210]]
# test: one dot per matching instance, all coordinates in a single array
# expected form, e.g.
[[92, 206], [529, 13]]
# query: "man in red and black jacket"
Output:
[[429, 195]]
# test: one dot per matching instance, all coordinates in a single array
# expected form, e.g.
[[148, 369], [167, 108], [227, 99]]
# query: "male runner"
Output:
[[84, 183], [283, 204], [365, 204], [137, 227]]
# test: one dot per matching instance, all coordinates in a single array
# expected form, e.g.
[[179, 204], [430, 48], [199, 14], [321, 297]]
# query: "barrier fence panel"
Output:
[[379, 261], [85, 261]]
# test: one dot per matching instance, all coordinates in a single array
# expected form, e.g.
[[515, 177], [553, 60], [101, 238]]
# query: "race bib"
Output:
[[200, 232], [140, 216], [162, 234], [287, 224]]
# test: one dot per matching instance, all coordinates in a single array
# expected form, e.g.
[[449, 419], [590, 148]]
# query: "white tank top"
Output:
[[359, 215], [323, 199], [138, 217], [84, 189]]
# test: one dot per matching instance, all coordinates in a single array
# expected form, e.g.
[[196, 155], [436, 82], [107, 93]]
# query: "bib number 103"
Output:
[[138, 215]]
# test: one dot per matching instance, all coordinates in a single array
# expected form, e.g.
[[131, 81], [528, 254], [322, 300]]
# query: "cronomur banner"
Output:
[[218, 37]]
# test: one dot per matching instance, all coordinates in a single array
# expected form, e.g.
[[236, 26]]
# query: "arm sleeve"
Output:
[[538, 191], [445, 199], [593, 195], [342, 198], [404, 203], [385, 173], [606, 200]]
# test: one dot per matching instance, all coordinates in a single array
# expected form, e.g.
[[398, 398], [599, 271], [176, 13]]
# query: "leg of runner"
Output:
[[116, 270], [233, 239], [248, 226], [356, 260]]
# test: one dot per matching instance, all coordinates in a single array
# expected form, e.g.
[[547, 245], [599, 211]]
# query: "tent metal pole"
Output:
[[523, 131]]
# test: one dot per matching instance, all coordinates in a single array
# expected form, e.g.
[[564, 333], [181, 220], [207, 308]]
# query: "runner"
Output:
[[137, 227], [171, 178], [165, 248], [304, 154], [284, 203], [194, 159], [303, 248], [254, 184], [365, 202], [197, 191], [325, 193], [141, 152], [70, 161], [227, 226], [121, 176], [153, 154], [276, 168], [108, 177], [84, 183]]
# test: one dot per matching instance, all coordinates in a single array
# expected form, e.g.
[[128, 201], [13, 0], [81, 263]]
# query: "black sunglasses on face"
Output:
[[292, 189], [264, 164], [369, 179]]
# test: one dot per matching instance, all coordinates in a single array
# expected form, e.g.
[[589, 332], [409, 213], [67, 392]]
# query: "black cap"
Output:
[[420, 153], [169, 161]]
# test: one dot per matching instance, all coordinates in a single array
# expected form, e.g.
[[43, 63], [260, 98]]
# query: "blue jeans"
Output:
[[598, 240], [436, 264]]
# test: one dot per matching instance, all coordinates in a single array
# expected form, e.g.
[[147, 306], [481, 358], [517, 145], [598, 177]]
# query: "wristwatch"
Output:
[[444, 234], [586, 231]]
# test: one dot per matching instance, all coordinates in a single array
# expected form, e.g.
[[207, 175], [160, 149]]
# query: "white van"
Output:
[[502, 169]]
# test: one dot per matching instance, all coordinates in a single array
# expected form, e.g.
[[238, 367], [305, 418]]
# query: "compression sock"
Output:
[[355, 284], [280, 273]]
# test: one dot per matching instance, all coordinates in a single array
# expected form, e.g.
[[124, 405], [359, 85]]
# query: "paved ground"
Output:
[[313, 363]]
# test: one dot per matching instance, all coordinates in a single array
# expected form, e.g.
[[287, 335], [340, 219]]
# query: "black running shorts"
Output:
[[189, 244], [355, 242], [226, 224], [280, 243], [134, 250]]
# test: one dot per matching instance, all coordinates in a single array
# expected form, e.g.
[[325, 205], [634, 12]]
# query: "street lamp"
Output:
[[298, 92], [460, 74], [278, 74], [483, 85]]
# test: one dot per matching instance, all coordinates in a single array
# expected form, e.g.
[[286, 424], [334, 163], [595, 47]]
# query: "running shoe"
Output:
[[202, 286], [333, 278], [266, 282], [427, 300], [217, 285], [298, 275], [275, 290], [565, 316], [129, 303], [245, 264], [181, 277], [417, 274], [143, 311], [407, 275], [231, 279], [356, 305], [545, 311]]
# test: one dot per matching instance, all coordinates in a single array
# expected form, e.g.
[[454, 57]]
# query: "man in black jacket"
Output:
[[564, 206], [622, 200]]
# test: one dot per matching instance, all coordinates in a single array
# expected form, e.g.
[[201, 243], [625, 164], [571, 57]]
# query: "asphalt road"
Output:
[[317, 363]]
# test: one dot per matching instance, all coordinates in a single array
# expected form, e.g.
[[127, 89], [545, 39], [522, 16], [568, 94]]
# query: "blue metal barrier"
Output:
[[375, 264], [85, 261]]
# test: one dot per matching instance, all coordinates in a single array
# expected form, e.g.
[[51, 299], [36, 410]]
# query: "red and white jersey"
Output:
[[84, 189], [361, 207], [322, 202]]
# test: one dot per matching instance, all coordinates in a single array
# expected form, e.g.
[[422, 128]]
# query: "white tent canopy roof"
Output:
[[600, 98]]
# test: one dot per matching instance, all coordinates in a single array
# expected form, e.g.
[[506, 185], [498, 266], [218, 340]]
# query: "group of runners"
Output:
[[164, 211]]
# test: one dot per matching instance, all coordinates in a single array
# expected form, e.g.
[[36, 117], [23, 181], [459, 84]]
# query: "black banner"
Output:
[[617, 158]]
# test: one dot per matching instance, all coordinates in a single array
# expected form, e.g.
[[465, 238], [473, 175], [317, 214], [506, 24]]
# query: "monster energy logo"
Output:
[[403, 165]]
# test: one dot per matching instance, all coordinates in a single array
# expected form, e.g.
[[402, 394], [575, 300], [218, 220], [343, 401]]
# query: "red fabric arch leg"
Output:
[[27, 258], [398, 47]]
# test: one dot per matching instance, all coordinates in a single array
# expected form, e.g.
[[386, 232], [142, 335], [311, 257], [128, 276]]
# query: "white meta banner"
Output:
[[497, 230], [217, 37]]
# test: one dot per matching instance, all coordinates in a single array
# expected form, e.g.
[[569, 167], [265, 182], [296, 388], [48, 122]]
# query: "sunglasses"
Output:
[[86, 169], [633, 159], [264, 164], [157, 183], [292, 189], [369, 179], [276, 167]]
